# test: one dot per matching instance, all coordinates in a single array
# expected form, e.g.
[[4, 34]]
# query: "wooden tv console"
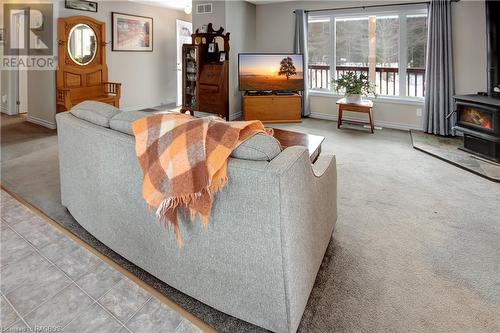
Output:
[[272, 108]]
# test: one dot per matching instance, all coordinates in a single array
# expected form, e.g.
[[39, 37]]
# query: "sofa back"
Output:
[[267, 235], [260, 147]]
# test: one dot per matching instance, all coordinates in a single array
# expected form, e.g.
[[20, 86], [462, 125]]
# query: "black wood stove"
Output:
[[478, 118]]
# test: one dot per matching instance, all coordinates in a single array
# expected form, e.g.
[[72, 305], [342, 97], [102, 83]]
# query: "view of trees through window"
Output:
[[417, 40], [353, 50]]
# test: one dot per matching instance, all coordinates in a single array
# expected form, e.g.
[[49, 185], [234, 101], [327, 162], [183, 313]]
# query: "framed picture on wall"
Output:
[[131, 33], [87, 6]]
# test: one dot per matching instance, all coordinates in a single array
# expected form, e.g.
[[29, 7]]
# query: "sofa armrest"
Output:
[[308, 212], [287, 158], [299, 154], [322, 164]]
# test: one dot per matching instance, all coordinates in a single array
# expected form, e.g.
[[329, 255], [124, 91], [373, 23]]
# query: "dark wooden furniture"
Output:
[[290, 138], [77, 82], [363, 107], [205, 73], [273, 108]]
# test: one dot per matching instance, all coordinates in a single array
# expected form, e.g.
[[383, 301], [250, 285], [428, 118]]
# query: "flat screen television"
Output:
[[271, 72]]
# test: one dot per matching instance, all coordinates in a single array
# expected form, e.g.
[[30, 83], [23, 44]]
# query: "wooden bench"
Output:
[[80, 76], [111, 92]]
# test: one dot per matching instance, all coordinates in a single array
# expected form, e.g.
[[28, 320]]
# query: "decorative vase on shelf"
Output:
[[353, 99]]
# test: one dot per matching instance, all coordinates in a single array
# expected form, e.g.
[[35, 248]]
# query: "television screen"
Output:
[[276, 72]]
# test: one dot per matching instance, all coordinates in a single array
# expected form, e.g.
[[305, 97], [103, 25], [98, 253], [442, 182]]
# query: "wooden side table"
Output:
[[289, 138], [363, 107]]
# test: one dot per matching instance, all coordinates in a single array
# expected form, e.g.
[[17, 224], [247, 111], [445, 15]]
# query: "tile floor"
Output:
[[48, 282]]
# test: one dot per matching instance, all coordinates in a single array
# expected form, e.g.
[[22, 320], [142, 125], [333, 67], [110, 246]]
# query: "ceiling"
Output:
[[173, 4], [181, 4], [265, 2]]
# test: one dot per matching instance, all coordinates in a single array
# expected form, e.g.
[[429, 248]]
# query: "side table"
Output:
[[365, 106]]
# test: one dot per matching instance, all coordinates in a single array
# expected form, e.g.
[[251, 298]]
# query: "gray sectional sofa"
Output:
[[268, 232]]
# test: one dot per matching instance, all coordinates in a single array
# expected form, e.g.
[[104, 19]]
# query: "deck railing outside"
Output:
[[386, 80]]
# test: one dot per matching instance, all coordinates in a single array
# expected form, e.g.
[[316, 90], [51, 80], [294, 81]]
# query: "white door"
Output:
[[184, 31], [22, 97], [19, 37]]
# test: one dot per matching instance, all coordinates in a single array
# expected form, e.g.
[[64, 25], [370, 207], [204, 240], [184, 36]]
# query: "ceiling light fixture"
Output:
[[188, 9]]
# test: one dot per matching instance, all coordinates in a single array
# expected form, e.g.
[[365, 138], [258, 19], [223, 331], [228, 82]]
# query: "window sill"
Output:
[[382, 99]]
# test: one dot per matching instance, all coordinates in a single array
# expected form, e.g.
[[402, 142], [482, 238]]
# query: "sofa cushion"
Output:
[[122, 122], [260, 147], [95, 112]]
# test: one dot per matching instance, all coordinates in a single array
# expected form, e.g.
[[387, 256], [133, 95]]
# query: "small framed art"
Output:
[[222, 57], [87, 6], [132, 33]]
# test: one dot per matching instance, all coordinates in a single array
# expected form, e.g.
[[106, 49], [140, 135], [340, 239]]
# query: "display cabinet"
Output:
[[190, 76], [205, 73]]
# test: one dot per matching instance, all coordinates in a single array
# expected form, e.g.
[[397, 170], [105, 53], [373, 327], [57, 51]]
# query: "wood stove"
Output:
[[478, 118]]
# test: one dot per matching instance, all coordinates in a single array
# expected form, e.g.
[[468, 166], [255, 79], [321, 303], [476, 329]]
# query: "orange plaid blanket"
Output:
[[184, 161]]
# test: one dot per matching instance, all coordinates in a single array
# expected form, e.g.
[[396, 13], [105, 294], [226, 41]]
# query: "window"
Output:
[[388, 46], [319, 42]]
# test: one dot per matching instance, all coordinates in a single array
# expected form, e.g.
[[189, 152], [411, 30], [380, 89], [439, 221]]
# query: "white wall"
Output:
[[240, 22], [469, 42], [148, 78], [4, 75], [238, 17], [275, 29], [217, 17]]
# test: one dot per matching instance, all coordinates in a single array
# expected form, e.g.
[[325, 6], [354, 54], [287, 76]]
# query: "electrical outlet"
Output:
[[4, 99], [419, 112]]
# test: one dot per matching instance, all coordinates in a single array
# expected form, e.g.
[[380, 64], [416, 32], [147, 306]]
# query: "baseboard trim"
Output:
[[236, 116], [386, 124], [41, 122], [148, 106]]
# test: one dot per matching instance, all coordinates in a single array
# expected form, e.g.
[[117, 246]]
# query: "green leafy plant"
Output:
[[352, 84]]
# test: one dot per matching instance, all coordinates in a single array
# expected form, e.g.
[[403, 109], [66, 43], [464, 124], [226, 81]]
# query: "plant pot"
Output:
[[353, 99]]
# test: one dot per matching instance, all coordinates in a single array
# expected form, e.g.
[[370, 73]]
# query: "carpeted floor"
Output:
[[416, 246]]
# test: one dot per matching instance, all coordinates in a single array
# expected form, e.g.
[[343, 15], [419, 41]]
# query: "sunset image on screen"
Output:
[[271, 72]]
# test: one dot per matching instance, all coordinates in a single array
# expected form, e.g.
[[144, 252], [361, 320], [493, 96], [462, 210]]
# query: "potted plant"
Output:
[[353, 86]]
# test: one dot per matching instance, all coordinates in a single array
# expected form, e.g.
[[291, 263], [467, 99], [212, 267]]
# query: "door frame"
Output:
[[178, 24], [17, 78]]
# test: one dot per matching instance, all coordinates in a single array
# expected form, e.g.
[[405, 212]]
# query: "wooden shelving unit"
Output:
[[205, 73]]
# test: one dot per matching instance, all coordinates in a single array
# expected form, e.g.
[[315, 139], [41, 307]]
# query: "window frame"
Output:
[[401, 12]]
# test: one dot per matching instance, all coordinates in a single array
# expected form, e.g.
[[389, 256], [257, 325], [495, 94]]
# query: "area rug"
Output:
[[415, 247], [448, 149]]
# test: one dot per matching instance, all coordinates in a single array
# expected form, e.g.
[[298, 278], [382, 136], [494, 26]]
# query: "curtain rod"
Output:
[[372, 6]]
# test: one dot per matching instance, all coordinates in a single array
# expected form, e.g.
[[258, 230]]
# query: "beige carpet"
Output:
[[416, 246]]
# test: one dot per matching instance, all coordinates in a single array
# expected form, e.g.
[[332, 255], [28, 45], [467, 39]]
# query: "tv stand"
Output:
[[259, 93], [272, 108]]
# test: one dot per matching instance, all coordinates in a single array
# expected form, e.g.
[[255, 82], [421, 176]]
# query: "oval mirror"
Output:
[[82, 45]]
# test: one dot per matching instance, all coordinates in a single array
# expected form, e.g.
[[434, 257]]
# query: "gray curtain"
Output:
[[439, 82], [300, 46]]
